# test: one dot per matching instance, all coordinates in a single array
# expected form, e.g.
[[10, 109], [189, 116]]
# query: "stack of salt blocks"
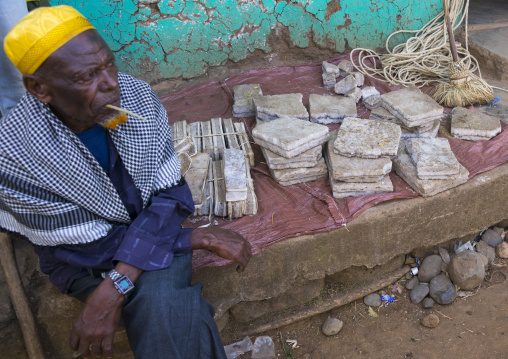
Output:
[[358, 157], [474, 125], [292, 149], [416, 112], [429, 166]]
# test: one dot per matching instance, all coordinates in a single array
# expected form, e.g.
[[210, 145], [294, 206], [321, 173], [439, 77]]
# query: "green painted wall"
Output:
[[162, 39]]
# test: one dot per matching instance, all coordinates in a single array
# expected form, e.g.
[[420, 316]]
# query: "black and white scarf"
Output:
[[53, 190]]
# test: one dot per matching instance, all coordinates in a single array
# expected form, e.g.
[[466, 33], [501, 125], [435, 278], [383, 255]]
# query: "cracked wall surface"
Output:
[[165, 39], [162, 39]]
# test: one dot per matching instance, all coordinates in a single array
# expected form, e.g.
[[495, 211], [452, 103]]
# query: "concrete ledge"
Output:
[[378, 235]]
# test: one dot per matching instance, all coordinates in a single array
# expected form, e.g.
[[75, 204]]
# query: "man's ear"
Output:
[[37, 87]]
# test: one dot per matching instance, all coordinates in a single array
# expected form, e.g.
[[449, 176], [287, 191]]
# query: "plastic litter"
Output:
[[494, 101], [395, 287], [236, 349], [263, 348], [388, 299], [463, 247], [414, 271], [293, 343]]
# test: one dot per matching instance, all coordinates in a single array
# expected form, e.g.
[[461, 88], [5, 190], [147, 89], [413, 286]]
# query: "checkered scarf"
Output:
[[53, 190]]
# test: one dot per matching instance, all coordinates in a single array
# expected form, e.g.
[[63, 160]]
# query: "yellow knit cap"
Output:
[[40, 33]]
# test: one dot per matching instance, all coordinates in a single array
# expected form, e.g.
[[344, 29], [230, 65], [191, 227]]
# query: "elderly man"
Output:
[[100, 194]]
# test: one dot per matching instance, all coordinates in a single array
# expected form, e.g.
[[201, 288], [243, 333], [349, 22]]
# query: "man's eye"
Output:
[[110, 64], [88, 76]]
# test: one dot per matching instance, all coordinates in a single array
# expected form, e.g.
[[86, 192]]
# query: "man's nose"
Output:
[[109, 79]]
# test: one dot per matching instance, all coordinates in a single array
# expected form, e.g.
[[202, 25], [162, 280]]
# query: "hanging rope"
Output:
[[425, 57]]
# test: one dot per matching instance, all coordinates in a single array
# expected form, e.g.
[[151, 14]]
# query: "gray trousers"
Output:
[[165, 317]]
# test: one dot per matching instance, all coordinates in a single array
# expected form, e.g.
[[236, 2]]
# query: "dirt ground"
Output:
[[471, 327]]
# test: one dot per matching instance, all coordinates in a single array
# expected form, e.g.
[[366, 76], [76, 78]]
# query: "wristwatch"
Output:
[[122, 283]]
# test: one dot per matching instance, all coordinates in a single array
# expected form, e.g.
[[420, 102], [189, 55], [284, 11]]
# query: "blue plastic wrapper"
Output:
[[494, 101], [388, 299]]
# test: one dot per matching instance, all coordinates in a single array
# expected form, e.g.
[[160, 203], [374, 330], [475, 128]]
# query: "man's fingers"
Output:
[[84, 348], [108, 346], [74, 341], [97, 347]]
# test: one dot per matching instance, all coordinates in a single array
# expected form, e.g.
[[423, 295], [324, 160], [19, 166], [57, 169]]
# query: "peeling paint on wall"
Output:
[[162, 39]]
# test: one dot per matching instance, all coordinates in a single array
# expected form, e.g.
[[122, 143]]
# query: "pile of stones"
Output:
[[429, 166], [292, 149], [358, 157], [215, 158], [442, 277], [416, 113], [473, 125]]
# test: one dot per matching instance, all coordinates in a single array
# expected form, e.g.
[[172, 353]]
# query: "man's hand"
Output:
[[224, 243], [96, 325]]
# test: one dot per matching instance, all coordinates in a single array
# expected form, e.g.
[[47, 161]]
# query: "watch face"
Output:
[[124, 284]]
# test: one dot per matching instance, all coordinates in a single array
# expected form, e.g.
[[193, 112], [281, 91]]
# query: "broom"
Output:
[[465, 88]]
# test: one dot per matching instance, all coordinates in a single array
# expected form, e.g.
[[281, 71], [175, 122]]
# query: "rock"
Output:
[[359, 78], [332, 326], [442, 289], [484, 260], [410, 284], [346, 84], [369, 91], [428, 303], [372, 102], [355, 93], [430, 267], [466, 270], [329, 68], [345, 67], [492, 238], [430, 321], [498, 230], [328, 79], [372, 300], [419, 292], [502, 250], [409, 276], [486, 250]]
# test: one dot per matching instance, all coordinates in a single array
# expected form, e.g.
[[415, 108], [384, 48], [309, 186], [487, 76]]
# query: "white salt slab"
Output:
[[346, 84], [331, 109], [345, 67], [355, 94], [412, 106], [244, 99], [269, 108], [407, 134], [291, 174], [196, 176], [473, 125], [406, 169], [289, 137], [354, 169], [329, 80], [235, 175], [369, 91], [345, 189], [308, 158], [367, 138], [432, 157], [372, 102], [329, 68]]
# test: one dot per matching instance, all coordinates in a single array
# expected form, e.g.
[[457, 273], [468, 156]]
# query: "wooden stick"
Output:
[[453, 47], [18, 299], [125, 111]]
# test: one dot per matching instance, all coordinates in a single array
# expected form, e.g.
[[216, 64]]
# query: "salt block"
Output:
[[473, 125], [345, 67], [329, 68], [348, 189], [431, 133], [308, 158], [381, 113], [219, 142], [269, 108], [220, 206], [329, 79], [196, 176], [235, 175], [331, 109], [367, 138], [206, 207], [289, 137], [292, 174], [355, 93], [432, 157], [372, 102], [251, 203], [346, 84], [412, 106], [194, 130], [359, 78], [244, 99], [354, 169], [369, 91], [406, 169]]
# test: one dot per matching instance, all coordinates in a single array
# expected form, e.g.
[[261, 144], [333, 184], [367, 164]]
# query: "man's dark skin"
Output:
[[77, 80]]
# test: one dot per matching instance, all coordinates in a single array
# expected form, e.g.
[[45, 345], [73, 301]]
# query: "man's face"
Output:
[[82, 78]]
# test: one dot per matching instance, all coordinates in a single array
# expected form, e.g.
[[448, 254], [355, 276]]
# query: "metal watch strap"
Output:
[[114, 275]]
